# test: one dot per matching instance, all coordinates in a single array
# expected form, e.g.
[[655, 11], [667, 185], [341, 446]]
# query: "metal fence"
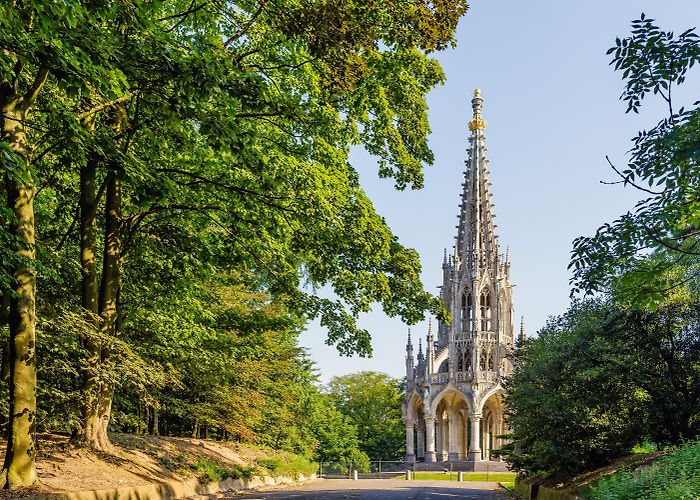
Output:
[[378, 469]]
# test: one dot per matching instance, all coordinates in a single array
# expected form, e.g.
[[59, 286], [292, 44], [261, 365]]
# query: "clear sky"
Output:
[[553, 113]]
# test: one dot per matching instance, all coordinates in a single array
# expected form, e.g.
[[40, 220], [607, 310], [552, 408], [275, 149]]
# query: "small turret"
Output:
[[430, 350], [521, 335], [409, 358]]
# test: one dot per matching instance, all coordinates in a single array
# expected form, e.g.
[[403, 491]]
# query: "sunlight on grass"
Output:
[[508, 477]]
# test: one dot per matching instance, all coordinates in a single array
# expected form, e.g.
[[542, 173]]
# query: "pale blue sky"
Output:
[[552, 108]]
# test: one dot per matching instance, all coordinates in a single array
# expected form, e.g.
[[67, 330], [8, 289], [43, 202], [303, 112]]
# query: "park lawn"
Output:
[[468, 476]]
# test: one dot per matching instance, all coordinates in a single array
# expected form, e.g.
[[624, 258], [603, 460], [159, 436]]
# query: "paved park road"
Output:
[[379, 489]]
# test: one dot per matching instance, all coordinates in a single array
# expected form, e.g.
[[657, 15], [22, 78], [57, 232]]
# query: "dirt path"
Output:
[[378, 489]]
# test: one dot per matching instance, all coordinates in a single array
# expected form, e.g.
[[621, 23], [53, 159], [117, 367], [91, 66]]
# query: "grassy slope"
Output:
[[673, 477], [138, 460]]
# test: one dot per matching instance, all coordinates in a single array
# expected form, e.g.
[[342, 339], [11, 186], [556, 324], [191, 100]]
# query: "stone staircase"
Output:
[[462, 465]]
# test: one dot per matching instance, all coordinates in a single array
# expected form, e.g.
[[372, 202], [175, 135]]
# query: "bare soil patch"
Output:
[[135, 460]]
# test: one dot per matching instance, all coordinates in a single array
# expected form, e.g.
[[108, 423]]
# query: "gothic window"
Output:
[[489, 313], [490, 366], [482, 360], [466, 313], [486, 309]]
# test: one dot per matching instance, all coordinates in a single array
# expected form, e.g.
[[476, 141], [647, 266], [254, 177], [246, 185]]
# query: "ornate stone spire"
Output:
[[476, 250], [521, 336], [477, 122], [429, 349]]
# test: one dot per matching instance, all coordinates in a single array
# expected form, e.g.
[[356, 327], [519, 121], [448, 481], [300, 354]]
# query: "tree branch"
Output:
[[626, 180], [246, 26], [105, 105], [36, 87]]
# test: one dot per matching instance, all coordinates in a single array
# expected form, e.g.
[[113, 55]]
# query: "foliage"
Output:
[[663, 166], [208, 471], [288, 465], [600, 382], [671, 477], [200, 154], [572, 402], [372, 402]]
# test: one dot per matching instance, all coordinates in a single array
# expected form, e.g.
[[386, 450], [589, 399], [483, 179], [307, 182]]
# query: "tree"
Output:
[[573, 402], [664, 166], [372, 402], [223, 130], [600, 379]]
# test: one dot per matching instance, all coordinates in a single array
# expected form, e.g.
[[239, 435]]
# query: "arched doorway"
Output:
[[451, 423], [493, 426]]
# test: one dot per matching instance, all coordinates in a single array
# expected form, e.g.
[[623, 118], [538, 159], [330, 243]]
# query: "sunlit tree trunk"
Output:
[[4, 321], [19, 468], [154, 430], [89, 299], [109, 303]]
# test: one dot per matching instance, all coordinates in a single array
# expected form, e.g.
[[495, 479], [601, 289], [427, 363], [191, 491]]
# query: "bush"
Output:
[[208, 471], [674, 477], [571, 402], [288, 465]]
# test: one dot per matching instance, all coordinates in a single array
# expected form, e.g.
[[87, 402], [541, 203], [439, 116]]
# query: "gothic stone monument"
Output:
[[453, 403]]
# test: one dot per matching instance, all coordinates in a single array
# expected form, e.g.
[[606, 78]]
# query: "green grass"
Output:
[[287, 464], [208, 471], [673, 477], [498, 477], [510, 486]]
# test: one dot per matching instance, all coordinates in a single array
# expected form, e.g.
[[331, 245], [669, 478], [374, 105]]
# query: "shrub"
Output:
[[288, 465], [673, 477], [208, 471]]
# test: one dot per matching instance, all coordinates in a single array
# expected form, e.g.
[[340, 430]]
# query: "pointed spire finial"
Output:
[[521, 337], [477, 122]]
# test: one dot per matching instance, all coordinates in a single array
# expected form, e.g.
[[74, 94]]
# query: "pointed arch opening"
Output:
[[466, 312]]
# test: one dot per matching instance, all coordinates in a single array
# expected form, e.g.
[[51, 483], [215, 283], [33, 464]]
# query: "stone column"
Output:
[[444, 437], [410, 452], [429, 439], [475, 446], [420, 444], [453, 443]]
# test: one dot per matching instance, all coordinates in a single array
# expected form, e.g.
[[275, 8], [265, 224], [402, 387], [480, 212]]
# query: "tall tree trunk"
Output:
[[154, 429], [109, 302], [5, 320], [89, 298], [19, 468]]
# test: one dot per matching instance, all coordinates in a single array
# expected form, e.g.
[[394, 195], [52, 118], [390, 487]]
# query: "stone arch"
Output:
[[413, 407], [496, 390], [450, 409], [493, 423], [442, 356], [447, 392]]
